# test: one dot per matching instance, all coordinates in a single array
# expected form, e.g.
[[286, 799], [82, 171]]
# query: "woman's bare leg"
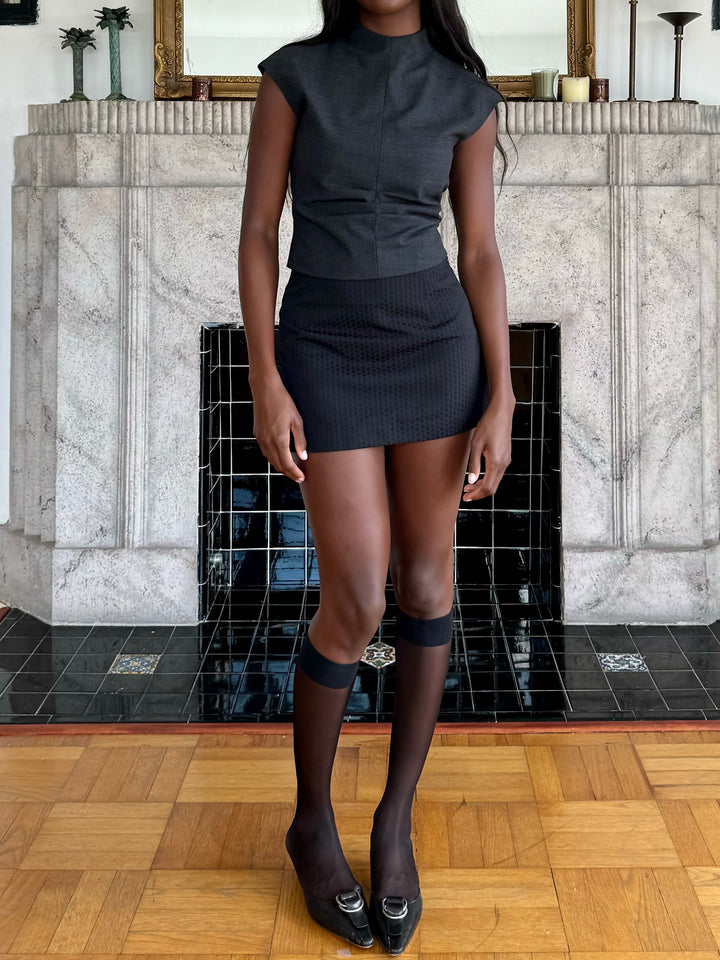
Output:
[[345, 496], [425, 482]]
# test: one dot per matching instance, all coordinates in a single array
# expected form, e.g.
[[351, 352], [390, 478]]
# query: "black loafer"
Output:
[[394, 919], [345, 915]]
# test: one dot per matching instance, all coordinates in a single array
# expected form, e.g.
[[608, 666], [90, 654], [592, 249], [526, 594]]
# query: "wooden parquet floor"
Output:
[[583, 845]]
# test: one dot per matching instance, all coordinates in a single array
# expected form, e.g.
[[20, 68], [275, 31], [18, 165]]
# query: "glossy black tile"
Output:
[[641, 714], [58, 703], [613, 643], [634, 698], [102, 630], [581, 715], [70, 682], [697, 643], [240, 669], [15, 702], [630, 679], [180, 663], [646, 630], [592, 700], [688, 630], [15, 644], [540, 701], [585, 680], [675, 679], [32, 682], [696, 699], [11, 662], [46, 662], [171, 683], [106, 644], [113, 703], [146, 644], [124, 683], [91, 662], [154, 706]]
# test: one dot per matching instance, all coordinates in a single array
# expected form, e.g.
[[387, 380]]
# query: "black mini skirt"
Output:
[[380, 361]]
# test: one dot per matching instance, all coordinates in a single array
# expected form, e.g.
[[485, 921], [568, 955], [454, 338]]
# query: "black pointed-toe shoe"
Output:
[[345, 915], [393, 920]]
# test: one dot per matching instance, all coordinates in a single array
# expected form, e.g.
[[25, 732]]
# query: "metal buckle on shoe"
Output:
[[402, 910], [350, 902]]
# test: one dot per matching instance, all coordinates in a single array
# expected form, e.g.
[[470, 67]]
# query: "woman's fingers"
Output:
[[495, 467], [287, 465], [299, 436]]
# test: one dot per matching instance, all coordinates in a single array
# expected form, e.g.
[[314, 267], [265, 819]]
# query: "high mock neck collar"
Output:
[[364, 38]]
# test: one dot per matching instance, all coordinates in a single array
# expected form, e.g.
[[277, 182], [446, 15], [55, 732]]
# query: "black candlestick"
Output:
[[678, 19], [633, 44]]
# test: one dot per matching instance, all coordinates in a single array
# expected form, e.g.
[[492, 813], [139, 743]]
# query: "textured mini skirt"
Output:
[[380, 361]]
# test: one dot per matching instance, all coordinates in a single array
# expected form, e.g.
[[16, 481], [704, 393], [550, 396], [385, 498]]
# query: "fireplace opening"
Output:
[[254, 542]]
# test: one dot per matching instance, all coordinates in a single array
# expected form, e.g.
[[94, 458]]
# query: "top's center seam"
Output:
[[379, 158]]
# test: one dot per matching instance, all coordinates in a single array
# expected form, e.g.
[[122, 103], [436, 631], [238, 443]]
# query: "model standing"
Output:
[[386, 379]]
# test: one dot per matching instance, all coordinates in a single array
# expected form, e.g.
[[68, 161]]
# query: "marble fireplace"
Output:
[[126, 218]]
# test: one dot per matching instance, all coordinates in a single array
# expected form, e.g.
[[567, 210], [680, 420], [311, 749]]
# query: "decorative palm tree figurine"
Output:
[[77, 39], [114, 19]]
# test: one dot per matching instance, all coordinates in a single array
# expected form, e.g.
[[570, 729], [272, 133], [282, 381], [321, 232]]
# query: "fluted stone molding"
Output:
[[125, 241], [233, 116]]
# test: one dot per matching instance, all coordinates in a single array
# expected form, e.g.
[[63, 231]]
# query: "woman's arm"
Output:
[[481, 274], [271, 139]]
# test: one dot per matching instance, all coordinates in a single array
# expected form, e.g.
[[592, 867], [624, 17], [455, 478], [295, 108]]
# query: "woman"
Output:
[[388, 375]]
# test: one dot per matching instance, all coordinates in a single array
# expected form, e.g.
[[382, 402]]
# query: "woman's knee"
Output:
[[424, 589], [348, 619]]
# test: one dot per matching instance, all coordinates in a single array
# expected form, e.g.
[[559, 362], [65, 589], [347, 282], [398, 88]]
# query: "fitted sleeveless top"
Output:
[[378, 119]]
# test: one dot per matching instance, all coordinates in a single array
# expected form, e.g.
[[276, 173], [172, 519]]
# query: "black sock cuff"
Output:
[[425, 633], [322, 670]]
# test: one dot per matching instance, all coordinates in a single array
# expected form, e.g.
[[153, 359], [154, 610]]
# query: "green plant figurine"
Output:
[[114, 19], [77, 39]]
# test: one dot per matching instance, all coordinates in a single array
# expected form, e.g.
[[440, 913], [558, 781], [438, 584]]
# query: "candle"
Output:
[[576, 89], [544, 83]]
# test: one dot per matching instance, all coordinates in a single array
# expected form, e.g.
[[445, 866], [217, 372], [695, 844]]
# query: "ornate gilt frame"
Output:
[[171, 83]]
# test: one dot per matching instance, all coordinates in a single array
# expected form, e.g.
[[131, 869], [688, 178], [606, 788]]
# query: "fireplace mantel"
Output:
[[233, 117], [125, 242]]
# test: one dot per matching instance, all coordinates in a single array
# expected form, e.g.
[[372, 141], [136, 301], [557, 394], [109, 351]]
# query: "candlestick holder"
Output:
[[78, 40], [114, 20], [633, 47], [678, 19]]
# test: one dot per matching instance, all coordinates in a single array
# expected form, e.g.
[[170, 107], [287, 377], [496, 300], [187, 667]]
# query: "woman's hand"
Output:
[[491, 438], [274, 417]]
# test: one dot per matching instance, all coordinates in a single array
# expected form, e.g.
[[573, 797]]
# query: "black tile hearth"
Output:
[[239, 668]]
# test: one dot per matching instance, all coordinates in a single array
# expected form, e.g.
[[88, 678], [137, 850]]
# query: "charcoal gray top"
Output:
[[378, 119]]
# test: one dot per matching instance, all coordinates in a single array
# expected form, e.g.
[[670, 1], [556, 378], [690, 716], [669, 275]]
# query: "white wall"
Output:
[[34, 69]]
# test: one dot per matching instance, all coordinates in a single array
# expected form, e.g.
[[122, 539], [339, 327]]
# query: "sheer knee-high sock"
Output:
[[422, 652], [321, 690]]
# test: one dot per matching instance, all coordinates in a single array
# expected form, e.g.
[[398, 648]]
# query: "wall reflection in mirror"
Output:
[[227, 38]]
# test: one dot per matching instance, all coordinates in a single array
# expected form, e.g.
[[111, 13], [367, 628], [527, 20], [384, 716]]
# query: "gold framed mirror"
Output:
[[174, 67]]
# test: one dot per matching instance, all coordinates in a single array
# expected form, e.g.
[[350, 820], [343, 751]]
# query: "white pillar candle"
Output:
[[576, 89]]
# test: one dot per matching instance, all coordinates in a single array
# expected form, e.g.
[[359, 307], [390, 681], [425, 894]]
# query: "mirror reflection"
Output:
[[227, 38]]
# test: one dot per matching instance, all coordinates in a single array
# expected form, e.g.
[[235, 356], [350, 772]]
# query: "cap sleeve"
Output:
[[281, 65], [484, 100]]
